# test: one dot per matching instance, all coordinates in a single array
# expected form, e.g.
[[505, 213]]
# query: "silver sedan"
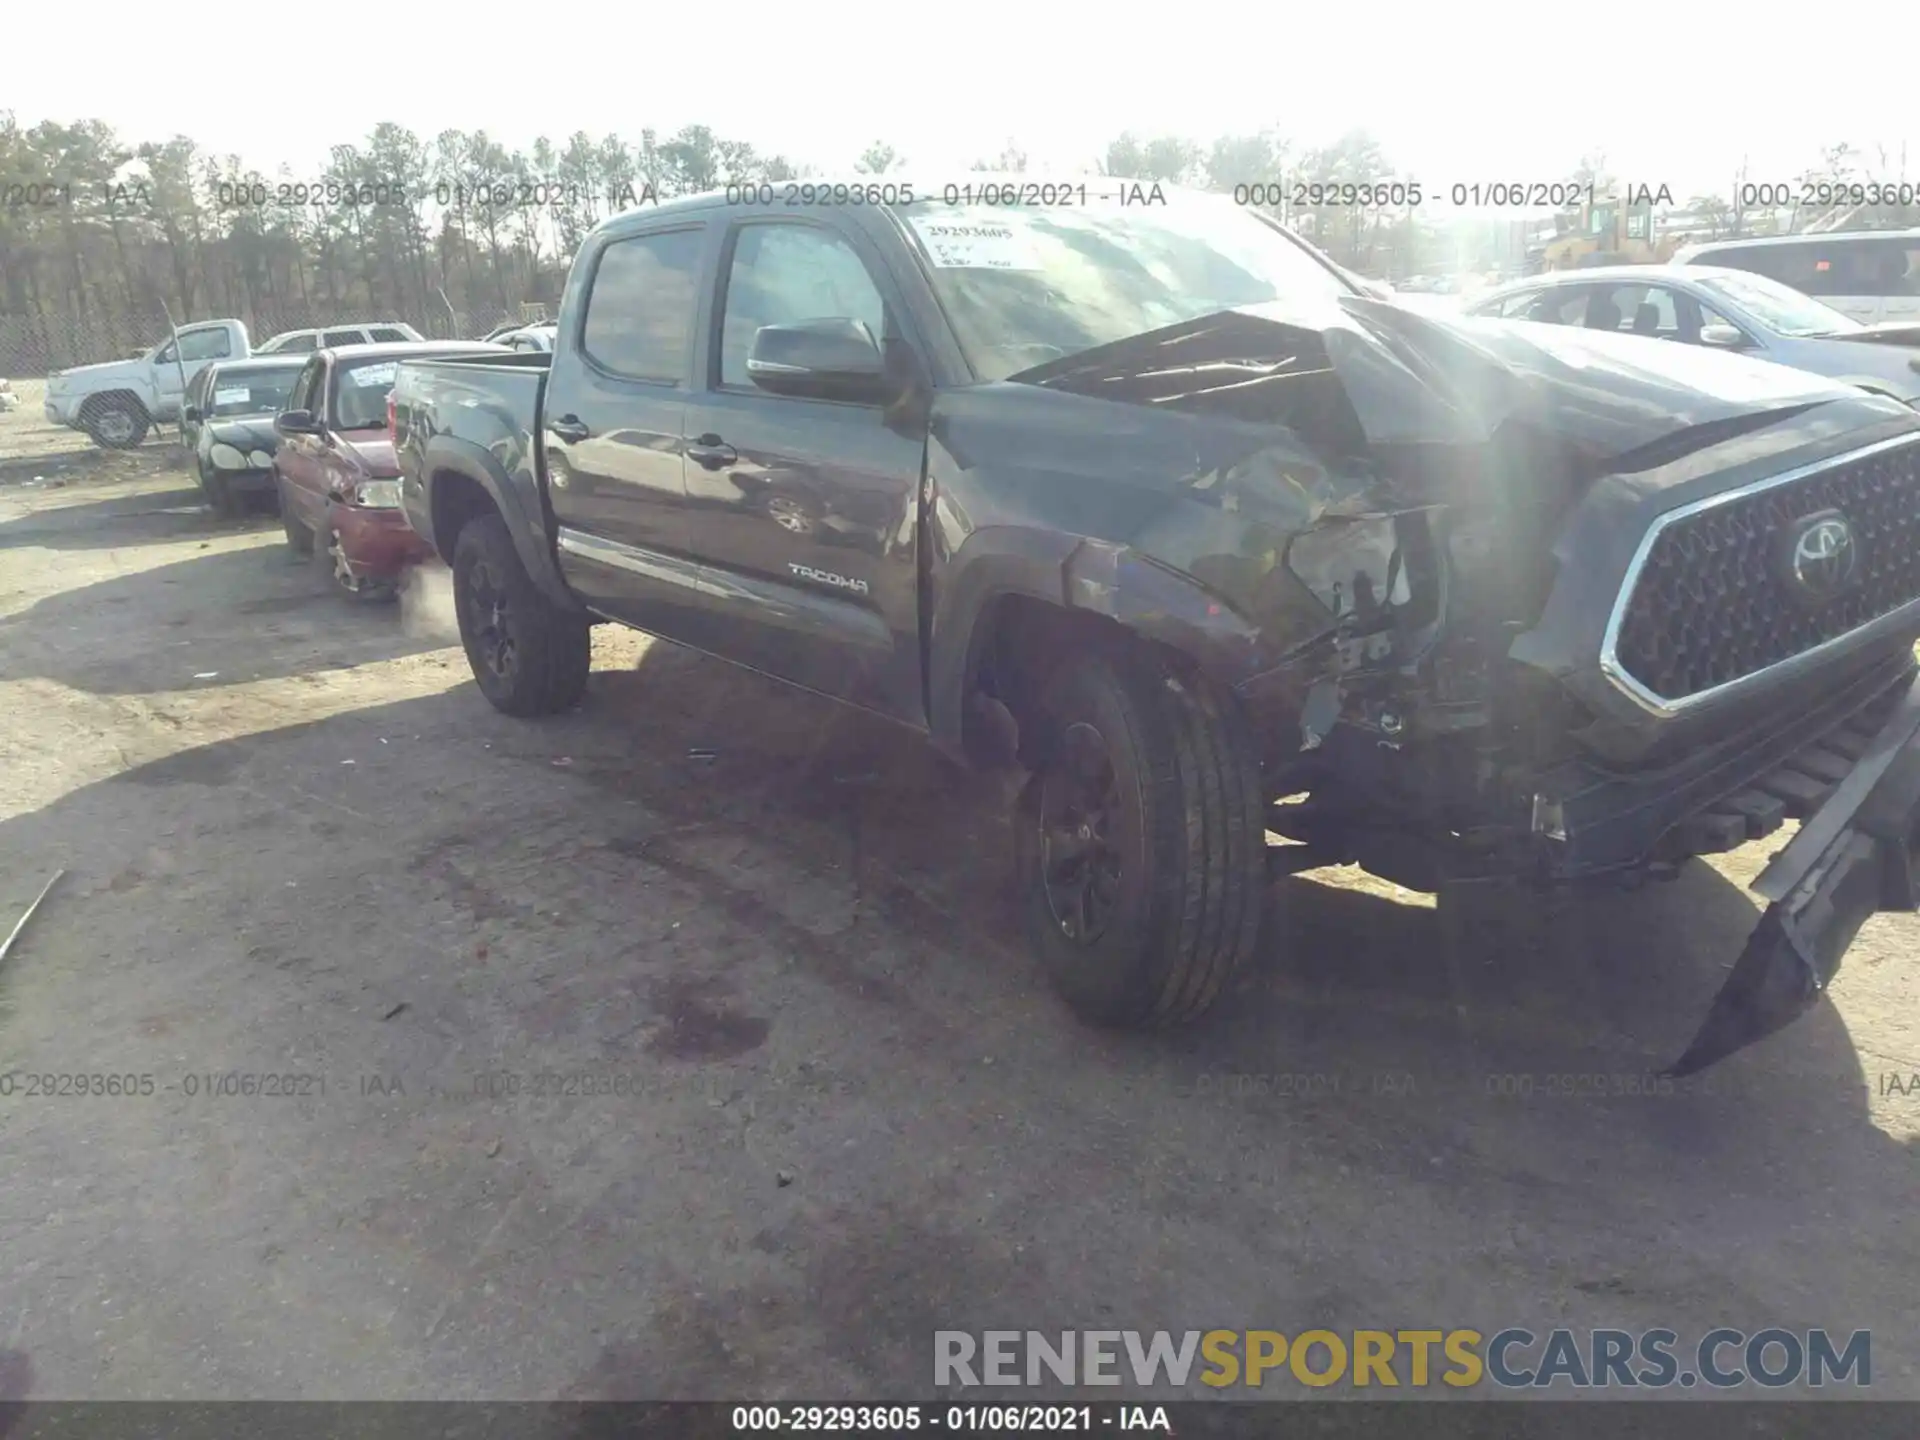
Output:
[[1726, 309]]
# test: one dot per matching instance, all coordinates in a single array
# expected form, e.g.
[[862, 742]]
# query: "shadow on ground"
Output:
[[250, 613], [76, 467], [861, 1117]]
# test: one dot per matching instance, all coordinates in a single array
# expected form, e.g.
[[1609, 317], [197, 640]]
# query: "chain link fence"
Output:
[[32, 346]]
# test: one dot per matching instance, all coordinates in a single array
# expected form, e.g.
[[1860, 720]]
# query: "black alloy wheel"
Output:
[[1080, 860], [490, 623]]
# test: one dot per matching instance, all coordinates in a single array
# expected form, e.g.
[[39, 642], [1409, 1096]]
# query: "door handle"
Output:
[[570, 428], [712, 452]]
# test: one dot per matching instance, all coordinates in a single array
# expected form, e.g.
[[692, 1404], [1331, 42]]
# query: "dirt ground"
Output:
[[298, 843]]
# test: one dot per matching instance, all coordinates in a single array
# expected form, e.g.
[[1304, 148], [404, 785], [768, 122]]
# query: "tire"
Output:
[[299, 537], [1179, 883], [220, 496], [117, 425], [528, 656]]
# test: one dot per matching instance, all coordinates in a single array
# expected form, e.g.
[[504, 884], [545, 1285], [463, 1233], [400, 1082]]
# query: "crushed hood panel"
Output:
[[1349, 374]]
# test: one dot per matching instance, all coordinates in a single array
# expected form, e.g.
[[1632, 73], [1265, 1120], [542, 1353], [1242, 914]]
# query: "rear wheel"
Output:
[[1142, 841], [528, 655]]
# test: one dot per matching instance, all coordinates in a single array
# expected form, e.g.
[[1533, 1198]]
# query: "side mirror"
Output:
[[295, 422], [1722, 337], [835, 359], [190, 414]]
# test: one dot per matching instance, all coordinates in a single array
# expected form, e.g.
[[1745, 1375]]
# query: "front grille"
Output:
[[1710, 604]]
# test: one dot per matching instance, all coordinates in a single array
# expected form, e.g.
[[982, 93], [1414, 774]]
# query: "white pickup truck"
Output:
[[119, 401]]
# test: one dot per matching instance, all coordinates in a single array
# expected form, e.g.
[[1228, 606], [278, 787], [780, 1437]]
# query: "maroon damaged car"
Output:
[[334, 466]]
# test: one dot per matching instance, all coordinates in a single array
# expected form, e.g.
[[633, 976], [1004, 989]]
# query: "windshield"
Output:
[[1025, 286], [256, 392], [1782, 310], [360, 394]]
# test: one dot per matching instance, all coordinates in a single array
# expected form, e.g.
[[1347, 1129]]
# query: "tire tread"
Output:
[[557, 648], [1199, 789]]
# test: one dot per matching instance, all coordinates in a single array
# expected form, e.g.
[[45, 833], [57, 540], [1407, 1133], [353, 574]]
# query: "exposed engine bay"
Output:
[[1508, 604]]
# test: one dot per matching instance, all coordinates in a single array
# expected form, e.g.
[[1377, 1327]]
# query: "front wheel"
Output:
[[117, 425], [1142, 841], [528, 655], [333, 559], [220, 496], [299, 536]]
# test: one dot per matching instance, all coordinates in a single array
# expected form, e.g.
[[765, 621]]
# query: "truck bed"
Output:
[[481, 414]]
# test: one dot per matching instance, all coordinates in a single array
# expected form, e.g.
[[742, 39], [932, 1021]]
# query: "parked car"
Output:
[[1504, 602], [500, 332], [538, 338], [333, 468], [1870, 275], [227, 424], [118, 401], [1732, 310], [332, 337]]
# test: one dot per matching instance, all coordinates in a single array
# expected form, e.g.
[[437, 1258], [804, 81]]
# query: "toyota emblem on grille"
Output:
[[1822, 555]]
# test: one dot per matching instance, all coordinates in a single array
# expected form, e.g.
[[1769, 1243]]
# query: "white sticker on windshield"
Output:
[[974, 245], [238, 396], [373, 375]]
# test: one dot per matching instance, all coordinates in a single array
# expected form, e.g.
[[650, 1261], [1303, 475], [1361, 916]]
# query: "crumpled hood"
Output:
[[1347, 373], [1890, 332], [244, 433], [96, 377]]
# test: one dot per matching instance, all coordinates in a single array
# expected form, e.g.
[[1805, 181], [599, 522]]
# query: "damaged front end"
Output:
[[1510, 603]]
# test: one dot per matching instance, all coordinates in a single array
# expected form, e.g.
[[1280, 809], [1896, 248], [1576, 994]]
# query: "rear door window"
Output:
[[385, 334], [640, 311], [1559, 306], [1636, 309], [1516, 307], [345, 337]]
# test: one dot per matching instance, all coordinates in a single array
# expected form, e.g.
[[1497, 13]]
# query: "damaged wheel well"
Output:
[[1019, 641]]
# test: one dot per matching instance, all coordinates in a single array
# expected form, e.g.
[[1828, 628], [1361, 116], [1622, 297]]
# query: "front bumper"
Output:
[[1853, 856], [377, 543]]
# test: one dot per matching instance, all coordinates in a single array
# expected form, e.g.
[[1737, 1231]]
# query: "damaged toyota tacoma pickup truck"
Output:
[[1253, 571]]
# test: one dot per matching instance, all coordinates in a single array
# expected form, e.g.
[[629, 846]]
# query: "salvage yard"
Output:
[[845, 1112]]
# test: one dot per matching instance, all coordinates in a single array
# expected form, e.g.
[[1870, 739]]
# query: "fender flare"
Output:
[[91, 403], [1079, 575], [990, 564], [519, 503]]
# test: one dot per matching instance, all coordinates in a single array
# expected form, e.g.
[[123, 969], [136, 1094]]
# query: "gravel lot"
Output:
[[299, 843]]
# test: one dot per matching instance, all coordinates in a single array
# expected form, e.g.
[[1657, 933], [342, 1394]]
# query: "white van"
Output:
[[353, 332], [1872, 275]]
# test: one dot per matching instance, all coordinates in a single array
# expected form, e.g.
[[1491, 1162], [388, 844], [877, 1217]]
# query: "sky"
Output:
[[1455, 94]]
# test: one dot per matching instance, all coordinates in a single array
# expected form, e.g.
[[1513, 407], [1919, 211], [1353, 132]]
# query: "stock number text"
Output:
[[319, 194], [1829, 192]]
